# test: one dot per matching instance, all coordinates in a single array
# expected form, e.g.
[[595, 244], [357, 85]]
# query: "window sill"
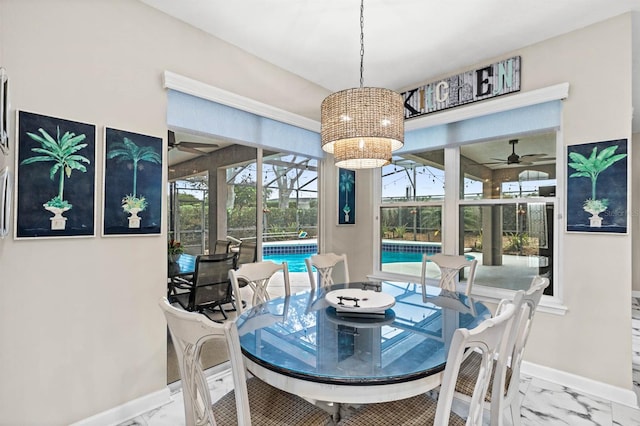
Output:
[[548, 304]]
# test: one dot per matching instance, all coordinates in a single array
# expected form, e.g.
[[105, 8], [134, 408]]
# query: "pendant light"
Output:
[[362, 126]]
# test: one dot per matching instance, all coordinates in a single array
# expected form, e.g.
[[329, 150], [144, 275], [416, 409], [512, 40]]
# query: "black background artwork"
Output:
[[119, 182], [611, 184], [36, 186]]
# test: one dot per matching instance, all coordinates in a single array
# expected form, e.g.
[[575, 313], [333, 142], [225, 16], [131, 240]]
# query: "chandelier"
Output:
[[362, 126]]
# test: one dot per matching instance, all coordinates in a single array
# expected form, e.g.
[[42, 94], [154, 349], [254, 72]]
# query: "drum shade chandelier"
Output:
[[362, 126]]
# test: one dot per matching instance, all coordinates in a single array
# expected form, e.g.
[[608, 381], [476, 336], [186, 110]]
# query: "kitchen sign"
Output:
[[479, 84]]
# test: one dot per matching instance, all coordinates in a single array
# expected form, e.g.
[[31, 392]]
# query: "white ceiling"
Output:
[[319, 40]]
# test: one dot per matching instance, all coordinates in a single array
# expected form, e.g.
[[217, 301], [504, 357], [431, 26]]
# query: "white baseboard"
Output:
[[128, 410], [635, 293], [592, 387], [144, 404]]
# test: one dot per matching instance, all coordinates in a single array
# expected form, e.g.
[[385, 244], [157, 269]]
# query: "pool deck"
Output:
[[515, 272]]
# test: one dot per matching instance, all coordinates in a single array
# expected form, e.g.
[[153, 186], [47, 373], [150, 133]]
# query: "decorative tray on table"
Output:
[[359, 302], [366, 320]]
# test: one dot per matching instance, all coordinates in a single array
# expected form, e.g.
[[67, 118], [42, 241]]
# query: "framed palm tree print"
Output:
[[132, 184], [55, 177], [597, 180], [346, 197]]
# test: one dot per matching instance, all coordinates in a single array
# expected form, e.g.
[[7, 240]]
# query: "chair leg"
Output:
[[224, 314], [203, 312], [514, 408]]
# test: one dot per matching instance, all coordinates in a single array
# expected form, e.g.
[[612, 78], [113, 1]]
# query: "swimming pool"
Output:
[[295, 261]]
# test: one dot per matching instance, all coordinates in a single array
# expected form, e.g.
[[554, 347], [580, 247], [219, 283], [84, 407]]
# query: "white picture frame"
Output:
[[5, 201], [4, 112], [66, 206]]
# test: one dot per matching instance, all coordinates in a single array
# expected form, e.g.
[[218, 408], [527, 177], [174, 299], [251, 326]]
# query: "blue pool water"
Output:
[[295, 261]]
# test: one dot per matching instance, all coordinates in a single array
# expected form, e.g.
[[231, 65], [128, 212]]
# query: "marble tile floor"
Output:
[[544, 403]]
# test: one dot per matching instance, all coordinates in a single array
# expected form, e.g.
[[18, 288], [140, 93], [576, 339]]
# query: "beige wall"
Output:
[[79, 325], [592, 339]]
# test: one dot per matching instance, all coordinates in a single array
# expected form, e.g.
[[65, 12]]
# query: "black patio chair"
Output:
[[211, 287], [247, 252]]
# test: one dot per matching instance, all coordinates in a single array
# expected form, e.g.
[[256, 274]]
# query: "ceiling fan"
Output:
[[526, 159], [186, 146]]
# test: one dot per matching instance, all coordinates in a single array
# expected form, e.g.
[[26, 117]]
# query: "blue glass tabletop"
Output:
[[185, 264], [304, 337]]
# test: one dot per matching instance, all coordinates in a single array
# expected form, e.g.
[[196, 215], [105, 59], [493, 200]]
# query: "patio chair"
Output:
[[450, 267], [252, 402], [211, 286], [324, 265], [486, 338], [257, 277], [508, 363], [222, 246], [247, 252]]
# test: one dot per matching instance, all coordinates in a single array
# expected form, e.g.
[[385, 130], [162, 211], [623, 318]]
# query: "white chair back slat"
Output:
[[325, 264], [257, 277], [450, 267]]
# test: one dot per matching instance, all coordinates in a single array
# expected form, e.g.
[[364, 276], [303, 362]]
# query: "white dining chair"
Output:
[[507, 372], [256, 277], [486, 338], [450, 267], [252, 402], [324, 264]]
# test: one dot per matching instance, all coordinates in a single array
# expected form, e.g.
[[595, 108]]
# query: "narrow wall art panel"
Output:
[[55, 177], [597, 187], [4, 112], [132, 184], [346, 197]]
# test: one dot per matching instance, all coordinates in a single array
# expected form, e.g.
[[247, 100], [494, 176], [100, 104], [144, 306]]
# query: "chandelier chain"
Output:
[[361, 43]]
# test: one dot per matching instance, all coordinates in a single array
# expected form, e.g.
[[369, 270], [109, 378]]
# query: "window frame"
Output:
[[451, 230]]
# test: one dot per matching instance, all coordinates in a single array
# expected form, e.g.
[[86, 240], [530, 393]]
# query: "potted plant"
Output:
[[57, 206], [595, 207], [132, 205], [174, 250]]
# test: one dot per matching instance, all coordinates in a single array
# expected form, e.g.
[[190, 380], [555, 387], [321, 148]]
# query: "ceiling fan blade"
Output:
[[188, 149], [197, 144], [533, 155], [171, 138]]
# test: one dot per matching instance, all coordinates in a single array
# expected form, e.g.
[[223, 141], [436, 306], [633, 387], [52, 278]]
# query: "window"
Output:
[[189, 210], [241, 202], [287, 184], [502, 211], [411, 211]]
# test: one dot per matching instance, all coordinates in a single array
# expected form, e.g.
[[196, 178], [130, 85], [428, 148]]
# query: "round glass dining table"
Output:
[[304, 345]]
